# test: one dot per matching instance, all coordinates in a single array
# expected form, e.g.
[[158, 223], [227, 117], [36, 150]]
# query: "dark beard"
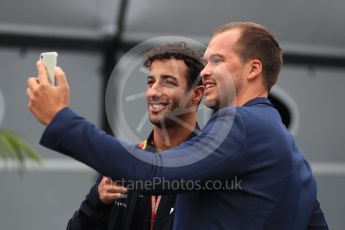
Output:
[[167, 122]]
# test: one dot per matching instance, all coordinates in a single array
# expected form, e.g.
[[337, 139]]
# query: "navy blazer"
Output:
[[249, 145]]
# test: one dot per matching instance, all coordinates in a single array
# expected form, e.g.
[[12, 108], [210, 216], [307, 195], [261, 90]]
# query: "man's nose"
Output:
[[206, 71], [155, 91]]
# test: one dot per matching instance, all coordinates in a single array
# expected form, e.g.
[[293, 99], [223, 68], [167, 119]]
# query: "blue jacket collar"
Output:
[[257, 101]]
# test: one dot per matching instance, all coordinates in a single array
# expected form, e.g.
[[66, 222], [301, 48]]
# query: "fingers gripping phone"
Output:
[[50, 61]]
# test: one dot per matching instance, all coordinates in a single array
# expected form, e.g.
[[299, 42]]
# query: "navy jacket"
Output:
[[247, 144], [130, 213]]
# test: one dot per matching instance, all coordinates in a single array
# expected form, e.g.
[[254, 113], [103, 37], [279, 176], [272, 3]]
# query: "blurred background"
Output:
[[92, 36]]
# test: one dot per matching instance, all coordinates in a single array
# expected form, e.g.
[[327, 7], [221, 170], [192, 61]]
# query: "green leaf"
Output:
[[11, 146]]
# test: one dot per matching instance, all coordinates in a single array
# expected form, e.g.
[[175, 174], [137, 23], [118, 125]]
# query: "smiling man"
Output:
[[173, 84], [278, 190]]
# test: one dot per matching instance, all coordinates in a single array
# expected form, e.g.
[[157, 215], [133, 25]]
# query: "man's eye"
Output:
[[170, 82], [216, 60]]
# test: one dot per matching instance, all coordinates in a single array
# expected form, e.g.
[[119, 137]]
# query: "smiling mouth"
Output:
[[157, 107], [209, 85]]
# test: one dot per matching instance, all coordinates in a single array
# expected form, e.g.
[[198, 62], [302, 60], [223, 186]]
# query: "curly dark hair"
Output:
[[180, 51]]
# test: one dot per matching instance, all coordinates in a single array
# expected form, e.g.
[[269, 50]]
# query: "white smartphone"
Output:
[[50, 61]]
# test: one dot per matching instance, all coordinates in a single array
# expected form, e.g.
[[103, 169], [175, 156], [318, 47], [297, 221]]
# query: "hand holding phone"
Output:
[[50, 60], [45, 110]]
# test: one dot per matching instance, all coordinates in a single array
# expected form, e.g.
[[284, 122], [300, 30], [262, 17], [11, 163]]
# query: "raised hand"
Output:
[[45, 100]]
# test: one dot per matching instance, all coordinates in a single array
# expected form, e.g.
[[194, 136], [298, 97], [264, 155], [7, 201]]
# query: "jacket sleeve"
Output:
[[92, 214], [317, 220], [214, 153]]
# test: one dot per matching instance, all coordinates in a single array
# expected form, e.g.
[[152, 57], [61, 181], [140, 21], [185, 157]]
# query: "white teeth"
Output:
[[208, 86], [157, 106]]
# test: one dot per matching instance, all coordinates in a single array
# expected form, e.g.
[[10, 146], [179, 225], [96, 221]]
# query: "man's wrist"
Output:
[[52, 116]]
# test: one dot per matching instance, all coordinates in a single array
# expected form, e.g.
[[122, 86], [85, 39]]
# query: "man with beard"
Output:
[[173, 93], [278, 190]]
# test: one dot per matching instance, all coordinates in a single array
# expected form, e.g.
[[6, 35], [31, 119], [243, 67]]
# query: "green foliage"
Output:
[[14, 148]]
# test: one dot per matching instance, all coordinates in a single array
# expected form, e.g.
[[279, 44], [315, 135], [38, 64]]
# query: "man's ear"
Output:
[[198, 93], [254, 69]]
